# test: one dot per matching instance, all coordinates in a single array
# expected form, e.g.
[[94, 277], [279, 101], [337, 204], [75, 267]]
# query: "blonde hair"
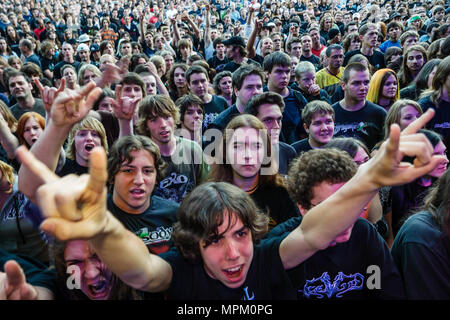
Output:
[[377, 83], [8, 173], [88, 123], [83, 69]]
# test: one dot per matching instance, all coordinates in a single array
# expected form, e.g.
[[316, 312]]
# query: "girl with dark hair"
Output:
[[438, 98], [352, 42], [177, 81], [245, 159], [5, 49], [414, 59], [393, 58], [223, 86], [421, 248], [422, 82], [406, 198], [13, 39]]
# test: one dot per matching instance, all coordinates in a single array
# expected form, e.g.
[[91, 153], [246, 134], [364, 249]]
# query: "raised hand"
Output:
[[74, 206], [152, 68], [124, 107], [387, 168], [48, 94], [110, 74], [70, 106], [13, 284]]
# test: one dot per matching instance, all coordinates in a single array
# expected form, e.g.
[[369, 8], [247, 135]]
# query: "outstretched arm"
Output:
[[186, 17], [68, 108], [75, 208], [326, 221], [251, 40], [14, 286]]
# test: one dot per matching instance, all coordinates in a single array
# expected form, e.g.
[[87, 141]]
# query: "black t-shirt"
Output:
[[376, 60], [313, 59], [153, 226], [233, 66], [72, 167], [146, 49], [213, 109], [421, 255], [365, 124], [302, 146], [59, 65], [220, 123], [440, 123], [286, 154], [222, 119], [344, 270], [276, 202], [48, 64], [405, 200], [266, 277], [214, 62]]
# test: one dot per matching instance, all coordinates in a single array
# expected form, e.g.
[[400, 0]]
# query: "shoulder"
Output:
[[374, 107], [284, 147], [168, 205], [219, 99], [426, 102], [336, 106], [419, 228], [188, 144]]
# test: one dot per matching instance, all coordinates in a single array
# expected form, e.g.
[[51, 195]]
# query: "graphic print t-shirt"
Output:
[[365, 124], [186, 169], [153, 226]]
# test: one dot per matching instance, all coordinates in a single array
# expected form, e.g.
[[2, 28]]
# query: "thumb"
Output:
[[67, 230], [14, 273]]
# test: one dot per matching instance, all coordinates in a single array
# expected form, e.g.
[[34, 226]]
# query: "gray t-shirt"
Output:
[[186, 169], [38, 107]]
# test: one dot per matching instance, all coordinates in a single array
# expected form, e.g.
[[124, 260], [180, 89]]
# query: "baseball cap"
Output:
[[235, 41], [95, 47], [333, 33], [394, 15], [82, 47]]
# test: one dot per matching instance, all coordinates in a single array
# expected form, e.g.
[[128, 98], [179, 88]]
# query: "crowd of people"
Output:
[[237, 150]]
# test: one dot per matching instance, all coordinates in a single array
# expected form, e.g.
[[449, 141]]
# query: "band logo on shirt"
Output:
[[322, 286]]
